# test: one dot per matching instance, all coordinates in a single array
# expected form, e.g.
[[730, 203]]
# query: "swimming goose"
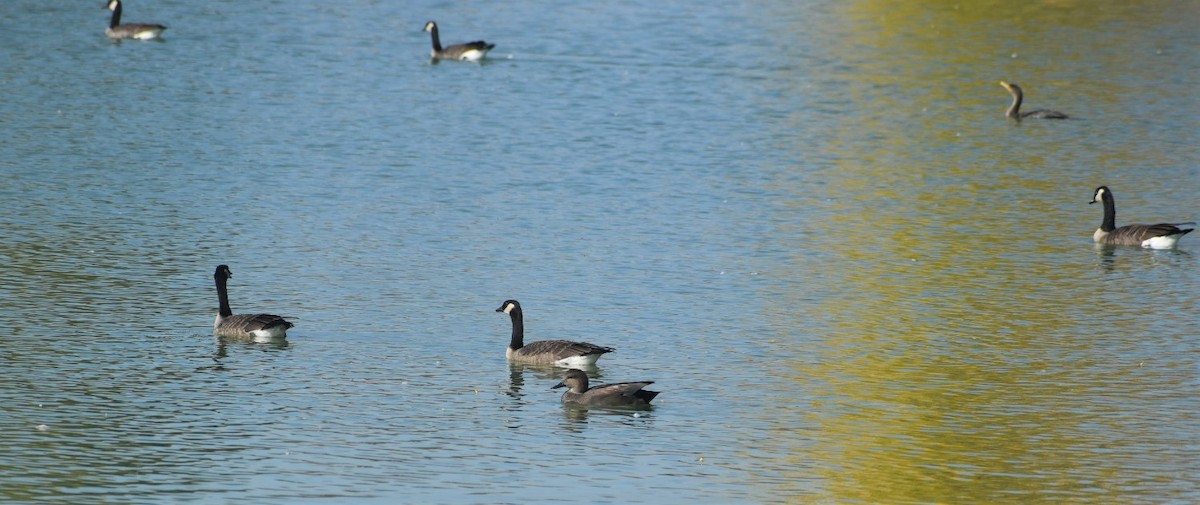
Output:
[[139, 31], [470, 51], [624, 394], [1014, 110], [261, 326], [546, 352], [1154, 236]]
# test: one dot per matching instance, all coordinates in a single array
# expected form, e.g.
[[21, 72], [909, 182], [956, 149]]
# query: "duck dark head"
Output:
[[574, 380]]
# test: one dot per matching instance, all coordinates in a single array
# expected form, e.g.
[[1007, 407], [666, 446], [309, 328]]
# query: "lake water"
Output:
[[853, 280]]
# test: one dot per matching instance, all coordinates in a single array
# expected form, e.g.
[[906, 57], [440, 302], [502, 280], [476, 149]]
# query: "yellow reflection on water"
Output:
[[947, 360]]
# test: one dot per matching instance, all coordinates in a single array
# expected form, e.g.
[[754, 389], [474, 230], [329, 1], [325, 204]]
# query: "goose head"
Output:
[[508, 306]]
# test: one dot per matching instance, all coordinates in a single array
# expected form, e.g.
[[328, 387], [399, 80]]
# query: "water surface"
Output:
[[852, 278]]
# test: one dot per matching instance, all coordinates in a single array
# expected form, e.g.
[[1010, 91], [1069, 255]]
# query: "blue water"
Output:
[[853, 280]]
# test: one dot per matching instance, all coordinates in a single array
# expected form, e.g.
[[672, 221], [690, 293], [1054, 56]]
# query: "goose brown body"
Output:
[[228, 324], [468, 51], [1154, 236], [546, 352], [140, 31]]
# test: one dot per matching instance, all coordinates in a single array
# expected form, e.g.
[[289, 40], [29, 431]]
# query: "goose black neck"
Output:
[[223, 296], [116, 16], [437, 41], [518, 332], [1014, 110], [1110, 212]]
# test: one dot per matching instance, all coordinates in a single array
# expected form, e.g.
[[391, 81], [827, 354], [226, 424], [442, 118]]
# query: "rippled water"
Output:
[[852, 279]]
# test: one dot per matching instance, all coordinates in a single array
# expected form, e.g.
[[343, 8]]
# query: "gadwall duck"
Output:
[[624, 394]]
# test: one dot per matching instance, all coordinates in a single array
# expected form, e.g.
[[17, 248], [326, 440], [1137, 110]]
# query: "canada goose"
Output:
[[624, 394], [1014, 110], [1154, 236], [470, 51], [262, 326], [546, 352], [139, 31]]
